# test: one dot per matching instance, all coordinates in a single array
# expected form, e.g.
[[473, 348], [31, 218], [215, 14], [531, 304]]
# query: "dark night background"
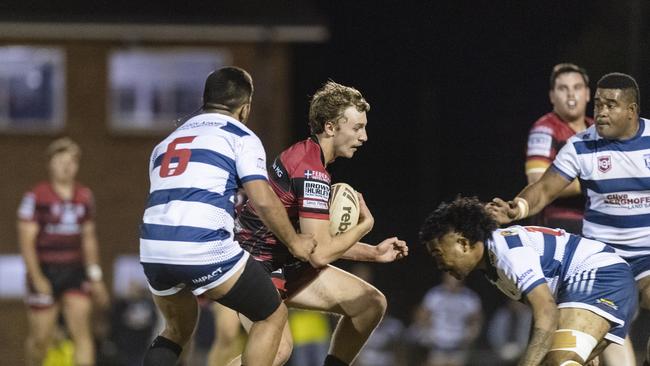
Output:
[[454, 87]]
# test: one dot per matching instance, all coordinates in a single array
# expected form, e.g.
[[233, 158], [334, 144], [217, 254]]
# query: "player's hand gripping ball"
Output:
[[344, 208]]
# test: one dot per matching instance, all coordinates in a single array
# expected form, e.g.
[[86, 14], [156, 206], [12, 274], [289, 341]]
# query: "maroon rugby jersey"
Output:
[[299, 178], [60, 222], [545, 139]]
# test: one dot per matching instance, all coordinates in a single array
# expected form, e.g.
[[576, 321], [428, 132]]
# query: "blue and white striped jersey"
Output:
[[615, 176], [523, 257], [195, 173]]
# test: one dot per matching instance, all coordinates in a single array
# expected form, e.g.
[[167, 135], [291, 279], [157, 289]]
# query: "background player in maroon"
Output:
[[56, 231], [337, 119], [569, 94]]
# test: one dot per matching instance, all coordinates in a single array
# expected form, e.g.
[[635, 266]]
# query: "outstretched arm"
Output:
[[536, 196], [389, 250]]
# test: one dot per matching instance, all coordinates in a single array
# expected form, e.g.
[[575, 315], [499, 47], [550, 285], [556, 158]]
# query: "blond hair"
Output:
[[330, 102], [64, 144]]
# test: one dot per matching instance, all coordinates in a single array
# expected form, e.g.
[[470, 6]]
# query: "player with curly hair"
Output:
[[582, 294]]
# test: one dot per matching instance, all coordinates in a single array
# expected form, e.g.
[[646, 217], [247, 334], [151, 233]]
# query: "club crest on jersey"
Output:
[[315, 174], [646, 158], [605, 163]]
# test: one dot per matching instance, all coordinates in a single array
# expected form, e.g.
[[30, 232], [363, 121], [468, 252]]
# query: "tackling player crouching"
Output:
[[298, 176], [582, 294]]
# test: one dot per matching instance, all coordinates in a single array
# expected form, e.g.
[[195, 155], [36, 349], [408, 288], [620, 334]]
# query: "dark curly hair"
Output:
[[465, 215]]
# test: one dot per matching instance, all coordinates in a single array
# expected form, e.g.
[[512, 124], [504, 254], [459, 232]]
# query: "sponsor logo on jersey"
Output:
[[321, 205], [604, 163], [539, 144], [277, 169], [261, 163], [508, 233], [624, 199], [607, 302], [216, 273], [646, 158], [315, 174], [316, 190], [523, 276]]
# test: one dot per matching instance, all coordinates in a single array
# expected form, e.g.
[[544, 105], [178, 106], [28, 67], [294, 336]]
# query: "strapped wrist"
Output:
[[522, 208], [94, 272]]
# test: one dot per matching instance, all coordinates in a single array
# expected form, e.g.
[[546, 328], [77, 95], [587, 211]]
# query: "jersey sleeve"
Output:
[[566, 163], [251, 160], [540, 150], [521, 265], [89, 203], [27, 208]]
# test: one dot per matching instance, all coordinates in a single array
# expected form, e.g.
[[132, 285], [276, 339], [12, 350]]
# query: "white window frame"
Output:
[[148, 70]]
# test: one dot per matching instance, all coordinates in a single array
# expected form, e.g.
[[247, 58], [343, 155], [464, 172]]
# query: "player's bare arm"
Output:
[[571, 190], [330, 247], [535, 197], [545, 320], [27, 233], [274, 216], [90, 247], [389, 250]]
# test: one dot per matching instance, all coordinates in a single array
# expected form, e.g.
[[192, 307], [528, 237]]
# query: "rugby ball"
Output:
[[344, 208]]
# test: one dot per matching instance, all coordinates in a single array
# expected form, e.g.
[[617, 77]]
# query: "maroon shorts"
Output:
[[292, 278]]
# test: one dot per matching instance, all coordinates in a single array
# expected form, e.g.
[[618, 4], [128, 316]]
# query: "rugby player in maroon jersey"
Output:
[[56, 231], [337, 119]]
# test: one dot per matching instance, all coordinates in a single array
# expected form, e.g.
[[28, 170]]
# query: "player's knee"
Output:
[[376, 301], [570, 345], [179, 333], [563, 358]]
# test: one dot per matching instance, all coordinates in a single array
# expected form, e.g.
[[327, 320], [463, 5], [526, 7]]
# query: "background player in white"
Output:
[[186, 243], [581, 293], [454, 320], [612, 161]]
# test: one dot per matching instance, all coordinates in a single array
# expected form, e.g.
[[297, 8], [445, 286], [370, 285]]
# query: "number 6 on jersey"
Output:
[[175, 160]]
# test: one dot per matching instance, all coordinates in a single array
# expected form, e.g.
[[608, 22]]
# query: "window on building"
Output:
[[151, 89], [32, 89]]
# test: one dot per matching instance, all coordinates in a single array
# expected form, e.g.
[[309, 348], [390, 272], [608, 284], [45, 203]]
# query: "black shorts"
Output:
[[64, 278], [253, 295]]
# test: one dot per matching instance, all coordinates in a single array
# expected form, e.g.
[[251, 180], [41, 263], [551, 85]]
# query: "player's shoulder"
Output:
[[83, 192], [590, 134], [216, 123], [304, 155], [40, 189], [546, 124], [505, 240]]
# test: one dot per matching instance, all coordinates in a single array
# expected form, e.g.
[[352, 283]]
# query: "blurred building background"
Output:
[[454, 88]]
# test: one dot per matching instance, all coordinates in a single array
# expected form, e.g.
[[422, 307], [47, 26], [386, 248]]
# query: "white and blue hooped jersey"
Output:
[[523, 257], [195, 173], [615, 176]]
